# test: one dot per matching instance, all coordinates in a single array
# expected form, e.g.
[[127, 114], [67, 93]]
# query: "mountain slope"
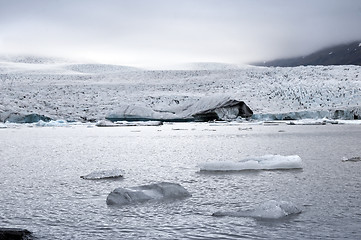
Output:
[[345, 54]]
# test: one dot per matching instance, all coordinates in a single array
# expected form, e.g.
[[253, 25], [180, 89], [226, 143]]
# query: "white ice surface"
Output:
[[271, 209], [266, 162]]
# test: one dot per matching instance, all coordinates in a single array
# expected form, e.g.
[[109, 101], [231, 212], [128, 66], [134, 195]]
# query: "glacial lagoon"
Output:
[[41, 188]]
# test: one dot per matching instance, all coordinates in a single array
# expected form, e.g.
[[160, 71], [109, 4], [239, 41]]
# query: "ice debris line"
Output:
[[157, 192], [266, 162], [107, 123], [104, 174], [271, 209]]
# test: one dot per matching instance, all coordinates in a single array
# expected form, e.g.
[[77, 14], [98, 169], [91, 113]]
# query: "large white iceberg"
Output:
[[271, 209], [219, 107], [266, 162], [156, 191]]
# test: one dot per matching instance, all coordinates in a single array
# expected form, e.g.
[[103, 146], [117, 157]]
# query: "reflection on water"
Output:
[[41, 188]]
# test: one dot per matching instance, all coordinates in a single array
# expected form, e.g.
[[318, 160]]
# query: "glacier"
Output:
[[156, 192], [83, 92], [266, 162], [271, 209]]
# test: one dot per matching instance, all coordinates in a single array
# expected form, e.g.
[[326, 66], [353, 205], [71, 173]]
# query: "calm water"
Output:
[[41, 188]]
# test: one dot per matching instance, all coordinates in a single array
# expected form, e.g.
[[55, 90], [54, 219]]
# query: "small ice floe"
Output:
[[104, 174], [107, 123], [308, 122], [157, 191], [353, 159], [266, 162], [52, 123], [267, 210], [2, 125]]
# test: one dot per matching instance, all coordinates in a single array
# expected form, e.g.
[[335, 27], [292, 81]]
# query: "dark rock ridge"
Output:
[[14, 234], [345, 54]]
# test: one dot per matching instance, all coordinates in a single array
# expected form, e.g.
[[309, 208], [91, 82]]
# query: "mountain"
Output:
[[345, 54]]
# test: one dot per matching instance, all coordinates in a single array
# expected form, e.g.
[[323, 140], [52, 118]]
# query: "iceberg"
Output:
[[157, 191], [206, 109], [104, 174], [52, 123], [271, 209], [137, 112], [219, 108], [266, 162]]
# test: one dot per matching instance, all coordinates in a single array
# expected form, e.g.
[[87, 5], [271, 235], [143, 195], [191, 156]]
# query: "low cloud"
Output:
[[141, 32]]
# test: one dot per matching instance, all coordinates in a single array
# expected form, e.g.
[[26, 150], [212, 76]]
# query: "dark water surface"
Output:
[[41, 188]]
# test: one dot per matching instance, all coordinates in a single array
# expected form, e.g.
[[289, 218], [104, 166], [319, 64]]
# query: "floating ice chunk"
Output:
[[266, 162], [156, 191], [268, 210], [2, 125], [104, 174], [57, 123], [105, 123], [205, 109], [353, 159]]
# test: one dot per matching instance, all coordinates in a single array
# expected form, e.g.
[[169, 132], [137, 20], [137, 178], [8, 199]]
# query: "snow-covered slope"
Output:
[[58, 91]]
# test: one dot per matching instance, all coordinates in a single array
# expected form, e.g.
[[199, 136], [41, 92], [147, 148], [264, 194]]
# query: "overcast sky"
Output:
[[149, 32]]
